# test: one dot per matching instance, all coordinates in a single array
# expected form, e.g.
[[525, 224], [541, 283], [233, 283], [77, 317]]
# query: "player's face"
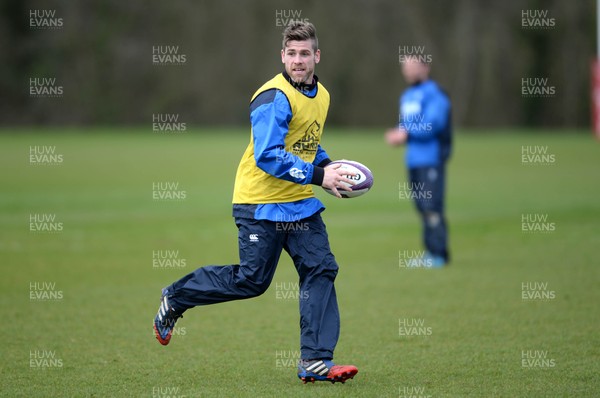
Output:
[[300, 59], [414, 71]]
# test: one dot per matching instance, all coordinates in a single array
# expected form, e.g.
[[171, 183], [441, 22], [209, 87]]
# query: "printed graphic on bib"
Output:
[[309, 142]]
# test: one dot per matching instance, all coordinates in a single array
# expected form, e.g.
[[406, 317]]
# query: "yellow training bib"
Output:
[[254, 186]]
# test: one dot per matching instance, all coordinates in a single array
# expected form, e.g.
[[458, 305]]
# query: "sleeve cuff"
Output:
[[324, 162], [318, 175]]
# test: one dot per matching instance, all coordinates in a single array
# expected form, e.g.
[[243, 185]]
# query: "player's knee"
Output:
[[327, 267], [432, 219], [331, 265], [255, 289], [251, 282]]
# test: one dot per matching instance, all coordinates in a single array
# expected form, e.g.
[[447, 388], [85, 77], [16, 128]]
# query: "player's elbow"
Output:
[[266, 162]]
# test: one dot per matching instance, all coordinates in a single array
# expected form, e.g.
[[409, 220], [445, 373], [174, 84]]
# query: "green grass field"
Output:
[[99, 269]]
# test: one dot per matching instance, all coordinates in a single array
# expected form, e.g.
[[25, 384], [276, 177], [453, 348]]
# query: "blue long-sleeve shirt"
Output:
[[425, 113]]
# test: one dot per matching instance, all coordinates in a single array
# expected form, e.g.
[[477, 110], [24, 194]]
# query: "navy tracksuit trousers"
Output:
[[429, 186], [260, 246]]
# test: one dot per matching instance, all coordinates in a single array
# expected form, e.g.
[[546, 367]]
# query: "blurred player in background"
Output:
[[425, 127], [275, 209]]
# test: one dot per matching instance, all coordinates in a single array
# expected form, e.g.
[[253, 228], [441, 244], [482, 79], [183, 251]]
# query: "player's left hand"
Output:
[[396, 137], [336, 179]]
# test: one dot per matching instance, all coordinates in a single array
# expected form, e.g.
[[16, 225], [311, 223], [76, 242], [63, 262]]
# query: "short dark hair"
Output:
[[300, 31]]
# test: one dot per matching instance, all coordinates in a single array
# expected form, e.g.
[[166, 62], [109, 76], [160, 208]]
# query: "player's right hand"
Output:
[[396, 137]]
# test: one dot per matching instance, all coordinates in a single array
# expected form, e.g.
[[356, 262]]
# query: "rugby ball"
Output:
[[363, 178]]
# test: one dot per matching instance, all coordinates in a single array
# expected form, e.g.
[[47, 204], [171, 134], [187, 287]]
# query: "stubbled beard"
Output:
[[301, 80]]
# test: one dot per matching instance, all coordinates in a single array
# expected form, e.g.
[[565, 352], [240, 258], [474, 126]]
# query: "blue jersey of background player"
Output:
[[426, 128]]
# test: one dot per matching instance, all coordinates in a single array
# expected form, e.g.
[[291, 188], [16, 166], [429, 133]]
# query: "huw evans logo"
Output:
[[290, 224], [412, 392], [44, 222], [290, 291], [413, 54], [414, 190], [44, 87], [537, 223], [168, 55], [537, 19], [413, 327], [44, 359], [537, 291], [537, 87], [287, 17], [414, 122], [168, 392], [44, 291], [167, 123], [44, 19], [414, 259], [167, 259], [177, 330], [286, 359], [164, 191], [537, 155], [536, 359], [44, 155]]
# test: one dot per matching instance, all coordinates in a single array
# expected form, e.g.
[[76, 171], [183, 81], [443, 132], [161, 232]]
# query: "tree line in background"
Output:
[[505, 63]]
